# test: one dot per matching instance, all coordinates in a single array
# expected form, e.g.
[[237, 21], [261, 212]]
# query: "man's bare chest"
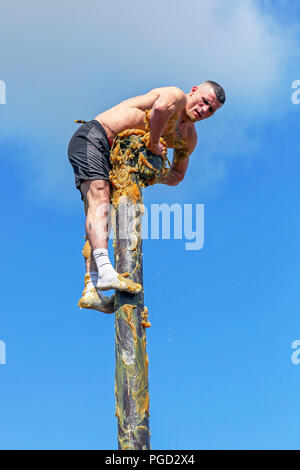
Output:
[[176, 134]]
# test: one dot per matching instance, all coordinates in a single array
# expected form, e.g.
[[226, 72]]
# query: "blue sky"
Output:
[[224, 317]]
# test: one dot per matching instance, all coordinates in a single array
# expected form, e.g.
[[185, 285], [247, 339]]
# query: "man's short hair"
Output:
[[219, 91]]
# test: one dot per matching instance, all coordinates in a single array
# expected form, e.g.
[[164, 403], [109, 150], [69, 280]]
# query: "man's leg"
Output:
[[97, 195], [91, 297], [90, 265]]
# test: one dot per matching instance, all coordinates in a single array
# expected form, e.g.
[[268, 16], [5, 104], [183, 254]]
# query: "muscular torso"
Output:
[[129, 114]]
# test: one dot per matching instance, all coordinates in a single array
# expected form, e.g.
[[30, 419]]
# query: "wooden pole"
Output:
[[133, 168]]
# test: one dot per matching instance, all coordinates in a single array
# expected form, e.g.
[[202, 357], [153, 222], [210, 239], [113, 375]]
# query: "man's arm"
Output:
[[169, 101], [177, 170], [180, 163]]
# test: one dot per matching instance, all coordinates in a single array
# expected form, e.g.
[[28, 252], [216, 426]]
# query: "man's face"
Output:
[[201, 102]]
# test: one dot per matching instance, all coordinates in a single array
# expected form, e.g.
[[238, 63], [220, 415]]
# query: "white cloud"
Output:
[[63, 60]]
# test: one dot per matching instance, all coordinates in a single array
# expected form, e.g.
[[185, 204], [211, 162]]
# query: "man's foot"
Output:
[[119, 282], [93, 299], [108, 278]]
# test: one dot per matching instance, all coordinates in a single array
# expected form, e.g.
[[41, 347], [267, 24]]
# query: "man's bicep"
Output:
[[178, 95]]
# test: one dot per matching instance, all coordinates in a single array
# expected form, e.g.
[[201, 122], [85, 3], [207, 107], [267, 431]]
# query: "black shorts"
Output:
[[89, 153]]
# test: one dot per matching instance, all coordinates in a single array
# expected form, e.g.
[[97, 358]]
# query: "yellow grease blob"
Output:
[[87, 251], [87, 279], [137, 266], [128, 311], [144, 317]]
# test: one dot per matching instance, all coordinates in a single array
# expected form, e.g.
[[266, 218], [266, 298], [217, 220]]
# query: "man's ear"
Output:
[[195, 88]]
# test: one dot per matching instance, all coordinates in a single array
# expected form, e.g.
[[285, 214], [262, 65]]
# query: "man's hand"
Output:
[[178, 167], [157, 148]]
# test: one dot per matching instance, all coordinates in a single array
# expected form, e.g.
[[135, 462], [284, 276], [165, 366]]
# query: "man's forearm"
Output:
[[172, 178], [158, 120]]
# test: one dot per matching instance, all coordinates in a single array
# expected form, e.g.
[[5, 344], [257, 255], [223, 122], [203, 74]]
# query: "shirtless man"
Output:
[[89, 152]]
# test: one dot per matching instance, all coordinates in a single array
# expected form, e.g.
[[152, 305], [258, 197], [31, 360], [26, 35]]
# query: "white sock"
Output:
[[105, 270]]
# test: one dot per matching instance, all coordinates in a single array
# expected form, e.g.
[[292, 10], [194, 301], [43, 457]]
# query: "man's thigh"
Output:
[[89, 154]]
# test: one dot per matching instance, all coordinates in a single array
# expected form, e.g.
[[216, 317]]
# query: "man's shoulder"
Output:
[[174, 90], [148, 98]]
